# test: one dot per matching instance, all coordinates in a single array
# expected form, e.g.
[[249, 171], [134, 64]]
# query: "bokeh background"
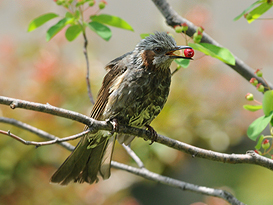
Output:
[[204, 107]]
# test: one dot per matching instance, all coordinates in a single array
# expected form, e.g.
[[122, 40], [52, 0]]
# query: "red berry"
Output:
[[189, 52]]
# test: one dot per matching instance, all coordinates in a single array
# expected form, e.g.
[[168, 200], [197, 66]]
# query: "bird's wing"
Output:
[[115, 68], [114, 62]]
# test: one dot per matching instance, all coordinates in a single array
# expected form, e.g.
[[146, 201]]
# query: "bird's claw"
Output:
[[153, 134], [115, 125]]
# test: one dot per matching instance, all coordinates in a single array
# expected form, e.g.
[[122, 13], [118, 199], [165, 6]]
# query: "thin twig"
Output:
[[34, 130], [133, 155], [87, 68], [50, 142], [177, 184], [47, 108]]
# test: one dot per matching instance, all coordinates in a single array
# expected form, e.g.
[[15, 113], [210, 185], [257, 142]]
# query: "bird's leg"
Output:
[[115, 125], [152, 132]]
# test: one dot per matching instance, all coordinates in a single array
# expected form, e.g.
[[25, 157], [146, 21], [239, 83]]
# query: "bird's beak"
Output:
[[176, 54]]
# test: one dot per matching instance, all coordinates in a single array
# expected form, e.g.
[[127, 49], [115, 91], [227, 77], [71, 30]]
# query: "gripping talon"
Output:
[[114, 123], [153, 133]]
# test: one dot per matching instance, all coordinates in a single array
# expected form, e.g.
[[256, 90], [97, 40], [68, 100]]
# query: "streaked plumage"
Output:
[[133, 92]]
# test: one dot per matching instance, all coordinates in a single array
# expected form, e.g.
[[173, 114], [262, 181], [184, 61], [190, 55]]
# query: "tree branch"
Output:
[[173, 19], [95, 125], [178, 184], [133, 155], [87, 68], [137, 171], [33, 130]]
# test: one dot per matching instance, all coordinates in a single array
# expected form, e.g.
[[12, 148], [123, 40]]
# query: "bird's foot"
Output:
[[115, 125], [153, 133]]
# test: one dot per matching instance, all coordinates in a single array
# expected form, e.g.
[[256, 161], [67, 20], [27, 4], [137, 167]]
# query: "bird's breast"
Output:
[[137, 96]]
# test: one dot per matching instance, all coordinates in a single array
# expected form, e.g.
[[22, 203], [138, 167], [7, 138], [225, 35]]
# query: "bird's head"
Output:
[[159, 50]]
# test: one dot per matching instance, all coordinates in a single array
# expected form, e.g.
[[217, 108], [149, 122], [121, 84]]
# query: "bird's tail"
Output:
[[91, 156]]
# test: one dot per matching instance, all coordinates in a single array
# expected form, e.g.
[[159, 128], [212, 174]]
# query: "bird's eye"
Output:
[[158, 50]]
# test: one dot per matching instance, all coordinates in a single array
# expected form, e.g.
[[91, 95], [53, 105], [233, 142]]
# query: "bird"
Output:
[[133, 93]]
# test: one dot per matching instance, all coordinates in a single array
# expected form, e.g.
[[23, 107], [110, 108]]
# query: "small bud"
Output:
[[92, 3], [178, 29], [197, 38], [170, 34], [258, 152], [249, 97], [201, 28], [245, 15], [260, 87], [259, 73], [102, 4], [60, 2], [199, 33], [253, 81], [248, 16], [184, 27], [265, 144]]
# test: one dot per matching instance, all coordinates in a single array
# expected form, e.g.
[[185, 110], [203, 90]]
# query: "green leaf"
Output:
[[259, 143], [246, 10], [68, 15], [258, 11], [253, 108], [256, 127], [100, 29], [72, 32], [268, 102], [144, 35], [220, 53], [112, 21], [184, 63], [53, 30], [39, 21]]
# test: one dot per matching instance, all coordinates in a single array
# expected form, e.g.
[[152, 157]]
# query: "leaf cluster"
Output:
[[261, 7], [74, 19]]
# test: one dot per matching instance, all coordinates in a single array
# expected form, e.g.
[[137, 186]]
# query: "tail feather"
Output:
[[84, 163], [107, 158]]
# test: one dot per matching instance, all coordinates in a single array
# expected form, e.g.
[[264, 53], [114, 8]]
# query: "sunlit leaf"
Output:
[[39, 21], [184, 63], [112, 21], [220, 53], [72, 32], [258, 11], [53, 30], [253, 108], [246, 10], [69, 15], [256, 127], [144, 35], [268, 102], [259, 143], [100, 29]]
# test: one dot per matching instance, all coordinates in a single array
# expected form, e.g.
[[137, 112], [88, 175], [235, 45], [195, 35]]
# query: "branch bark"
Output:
[[94, 125], [173, 19], [177, 184]]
